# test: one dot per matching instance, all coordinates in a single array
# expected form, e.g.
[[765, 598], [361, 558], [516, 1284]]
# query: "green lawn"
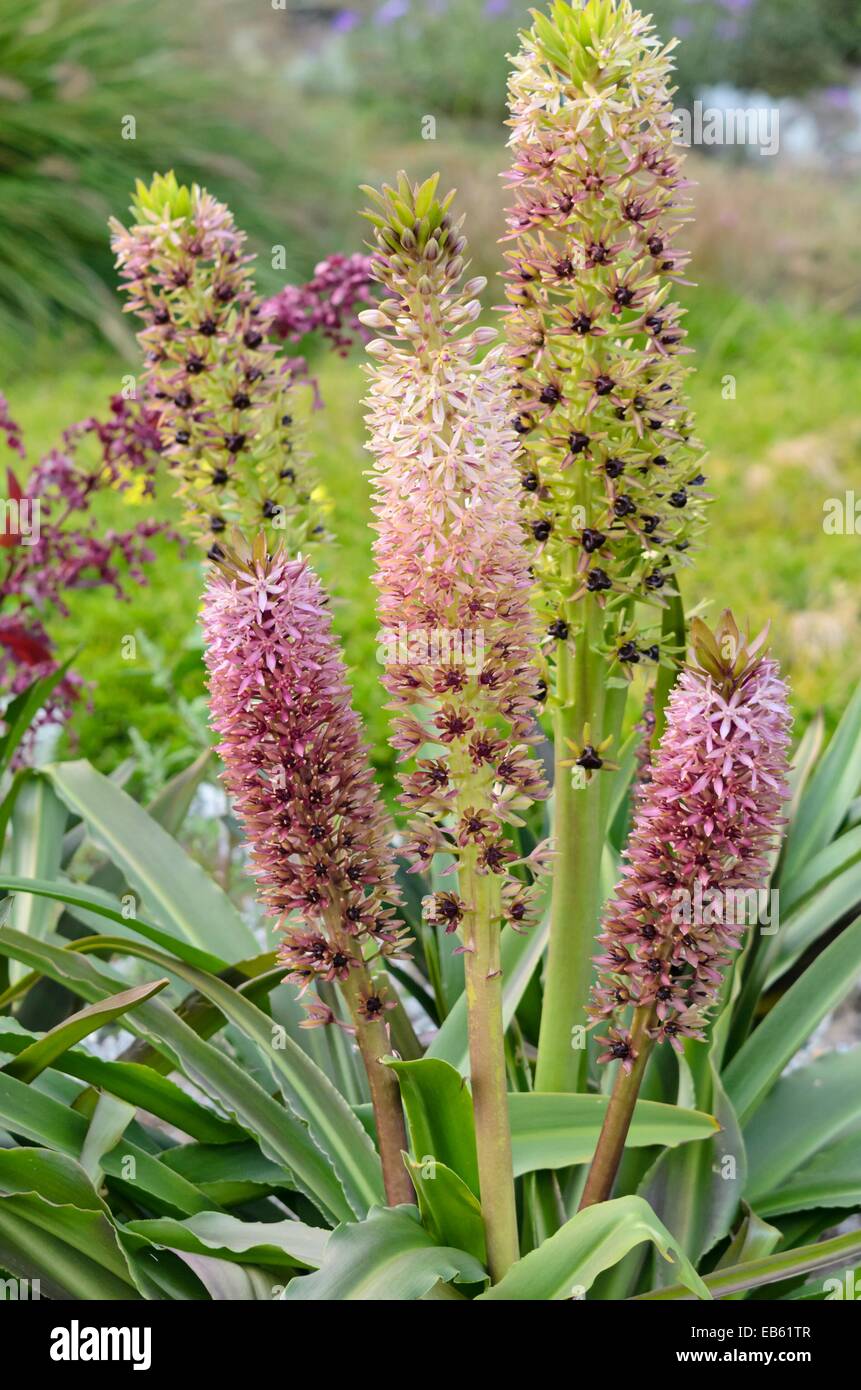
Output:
[[790, 439]]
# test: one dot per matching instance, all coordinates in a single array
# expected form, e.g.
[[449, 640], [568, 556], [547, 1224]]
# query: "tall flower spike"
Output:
[[228, 420], [610, 470], [454, 605], [298, 771], [705, 825]]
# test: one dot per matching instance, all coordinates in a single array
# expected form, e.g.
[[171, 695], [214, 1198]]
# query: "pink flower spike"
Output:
[[705, 827], [296, 765]]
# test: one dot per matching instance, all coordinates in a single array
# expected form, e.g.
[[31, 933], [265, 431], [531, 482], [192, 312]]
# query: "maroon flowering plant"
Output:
[[303, 788], [62, 548], [328, 304], [223, 391]]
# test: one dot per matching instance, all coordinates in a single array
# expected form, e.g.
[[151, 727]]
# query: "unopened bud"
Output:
[[379, 347], [372, 318]]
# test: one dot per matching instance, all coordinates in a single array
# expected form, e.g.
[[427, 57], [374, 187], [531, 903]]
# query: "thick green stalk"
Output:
[[617, 1120], [373, 1043], [578, 834], [673, 634], [481, 939]]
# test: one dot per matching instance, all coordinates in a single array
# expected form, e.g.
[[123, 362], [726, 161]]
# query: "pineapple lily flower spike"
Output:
[[705, 826], [303, 788], [610, 476], [454, 597], [228, 417]]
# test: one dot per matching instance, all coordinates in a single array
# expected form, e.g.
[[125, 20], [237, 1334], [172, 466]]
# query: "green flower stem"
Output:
[[481, 939], [673, 634], [578, 833], [617, 1120]]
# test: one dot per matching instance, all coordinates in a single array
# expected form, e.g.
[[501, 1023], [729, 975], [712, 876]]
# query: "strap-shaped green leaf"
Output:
[[567, 1264], [831, 1179], [43, 1120], [829, 792], [174, 888], [137, 1085], [547, 1130], [557, 1131], [450, 1210], [840, 1253], [389, 1256], [283, 1137], [281, 1244], [753, 1240], [37, 825], [44, 1051], [55, 1228], [804, 1112], [757, 1065], [88, 904]]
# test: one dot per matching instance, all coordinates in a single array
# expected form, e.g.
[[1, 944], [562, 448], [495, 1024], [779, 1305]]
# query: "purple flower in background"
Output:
[[327, 304], [345, 21], [391, 11], [840, 98], [10, 428], [496, 7], [62, 547]]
